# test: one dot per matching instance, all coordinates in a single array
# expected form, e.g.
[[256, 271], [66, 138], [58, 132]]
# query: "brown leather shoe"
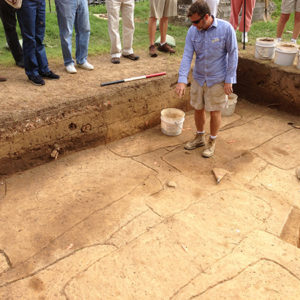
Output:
[[152, 51], [131, 56], [115, 60], [2, 79], [165, 48]]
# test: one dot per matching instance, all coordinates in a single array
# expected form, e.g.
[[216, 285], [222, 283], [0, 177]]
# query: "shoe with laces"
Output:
[[198, 141], [71, 69], [210, 148], [115, 60], [36, 79], [152, 51], [86, 66], [165, 48], [49, 75], [131, 56]]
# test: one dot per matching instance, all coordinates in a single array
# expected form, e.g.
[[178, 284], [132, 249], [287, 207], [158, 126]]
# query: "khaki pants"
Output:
[[113, 11]]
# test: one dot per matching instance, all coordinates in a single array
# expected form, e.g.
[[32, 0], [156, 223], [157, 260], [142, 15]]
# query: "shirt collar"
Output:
[[214, 23]]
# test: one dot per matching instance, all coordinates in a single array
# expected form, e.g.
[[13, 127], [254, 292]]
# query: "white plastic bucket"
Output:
[[172, 121], [285, 54], [265, 48], [228, 110]]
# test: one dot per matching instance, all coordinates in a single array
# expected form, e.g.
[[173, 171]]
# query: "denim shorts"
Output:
[[211, 98], [289, 6]]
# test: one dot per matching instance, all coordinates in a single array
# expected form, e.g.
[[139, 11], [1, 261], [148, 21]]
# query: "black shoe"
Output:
[[20, 63], [36, 80], [50, 75]]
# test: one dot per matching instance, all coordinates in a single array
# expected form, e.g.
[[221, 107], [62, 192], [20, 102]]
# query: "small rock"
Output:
[[298, 172], [54, 154], [171, 184]]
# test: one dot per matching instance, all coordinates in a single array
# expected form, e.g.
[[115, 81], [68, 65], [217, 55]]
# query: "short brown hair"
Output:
[[199, 7]]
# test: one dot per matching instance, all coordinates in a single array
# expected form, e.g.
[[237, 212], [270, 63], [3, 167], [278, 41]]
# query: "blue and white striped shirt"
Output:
[[216, 54]]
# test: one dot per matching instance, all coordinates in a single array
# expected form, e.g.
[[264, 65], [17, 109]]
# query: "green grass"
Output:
[[99, 39], [268, 29]]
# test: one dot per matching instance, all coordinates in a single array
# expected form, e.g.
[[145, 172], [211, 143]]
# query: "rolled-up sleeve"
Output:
[[186, 58], [232, 50]]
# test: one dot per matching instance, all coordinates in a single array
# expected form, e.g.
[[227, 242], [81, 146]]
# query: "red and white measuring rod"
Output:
[[133, 78]]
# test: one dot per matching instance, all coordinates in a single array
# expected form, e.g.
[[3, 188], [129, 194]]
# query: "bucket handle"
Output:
[[260, 53], [178, 124]]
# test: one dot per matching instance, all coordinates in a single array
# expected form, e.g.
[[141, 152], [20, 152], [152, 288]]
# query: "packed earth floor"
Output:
[[142, 218]]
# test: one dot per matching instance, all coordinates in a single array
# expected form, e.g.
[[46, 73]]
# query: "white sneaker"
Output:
[[86, 66], [71, 69]]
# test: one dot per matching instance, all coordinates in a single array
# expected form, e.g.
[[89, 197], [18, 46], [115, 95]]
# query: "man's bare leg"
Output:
[[281, 24], [200, 118], [296, 30], [215, 122], [163, 27], [152, 30]]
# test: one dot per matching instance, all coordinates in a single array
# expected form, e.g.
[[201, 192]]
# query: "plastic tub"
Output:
[[265, 48], [285, 54], [172, 121], [229, 109]]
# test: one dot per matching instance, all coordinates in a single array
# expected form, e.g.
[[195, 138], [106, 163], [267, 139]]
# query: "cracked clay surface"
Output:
[[103, 223]]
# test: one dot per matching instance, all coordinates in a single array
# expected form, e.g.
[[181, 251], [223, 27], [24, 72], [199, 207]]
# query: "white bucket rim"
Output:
[[265, 42], [287, 48], [174, 110]]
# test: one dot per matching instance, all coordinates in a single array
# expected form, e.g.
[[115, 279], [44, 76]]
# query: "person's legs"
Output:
[[8, 17], [197, 102], [27, 19], [163, 27], [215, 100], [66, 11], [152, 30], [249, 13], [40, 26], [281, 24], [215, 122], [296, 29], [113, 12], [128, 25], [234, 13], [200, 118], [82, 28]]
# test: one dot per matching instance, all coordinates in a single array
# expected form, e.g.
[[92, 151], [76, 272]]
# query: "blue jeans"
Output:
[[70, 13], [31, 17]]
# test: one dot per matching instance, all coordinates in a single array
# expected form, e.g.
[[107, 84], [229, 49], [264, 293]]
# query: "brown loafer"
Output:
[[115, 60], [152, 51], [131, 56], [166, 48], [2, 79]]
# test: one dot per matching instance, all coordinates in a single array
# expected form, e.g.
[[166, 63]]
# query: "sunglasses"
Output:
[[197, 21]]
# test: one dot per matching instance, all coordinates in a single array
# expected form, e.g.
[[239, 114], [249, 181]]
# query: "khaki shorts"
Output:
[[211, 98], [289, 6], [163, 8]]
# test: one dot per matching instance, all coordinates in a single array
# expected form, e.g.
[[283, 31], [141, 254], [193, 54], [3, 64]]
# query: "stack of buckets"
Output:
[[283, 53]]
